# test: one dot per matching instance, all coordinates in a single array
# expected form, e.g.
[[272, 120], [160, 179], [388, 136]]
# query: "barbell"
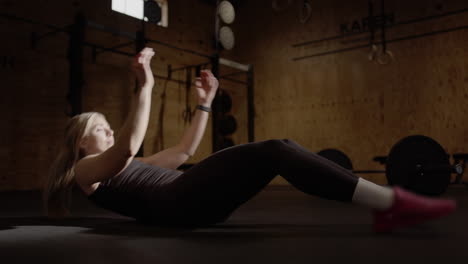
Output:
[[417, 163]]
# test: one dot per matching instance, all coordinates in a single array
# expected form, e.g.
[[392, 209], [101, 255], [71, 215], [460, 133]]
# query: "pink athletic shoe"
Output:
[[411, 209]]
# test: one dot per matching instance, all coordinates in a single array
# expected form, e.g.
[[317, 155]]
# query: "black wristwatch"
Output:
[[204, 108]]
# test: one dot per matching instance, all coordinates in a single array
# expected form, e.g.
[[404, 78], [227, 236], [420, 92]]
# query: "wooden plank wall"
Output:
[[35, 85], [343, 100]]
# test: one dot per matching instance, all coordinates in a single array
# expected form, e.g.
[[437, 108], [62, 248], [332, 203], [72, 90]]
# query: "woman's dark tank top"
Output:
[[132, 192]]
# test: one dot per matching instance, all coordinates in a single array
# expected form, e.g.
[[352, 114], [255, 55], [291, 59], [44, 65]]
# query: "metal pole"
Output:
[[250, 105], [215, 133], [75, 59]]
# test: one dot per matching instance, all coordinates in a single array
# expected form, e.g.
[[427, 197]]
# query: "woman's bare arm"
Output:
[[98, 167], [175, 156]]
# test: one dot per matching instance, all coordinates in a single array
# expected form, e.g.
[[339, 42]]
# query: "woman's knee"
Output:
[[279, 142], [289, 141], [274, 145]]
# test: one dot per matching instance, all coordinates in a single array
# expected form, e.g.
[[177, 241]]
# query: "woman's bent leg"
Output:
[[219, 184], [211, 190]]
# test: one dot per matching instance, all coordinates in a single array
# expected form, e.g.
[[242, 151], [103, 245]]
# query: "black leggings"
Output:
[[211, 190]]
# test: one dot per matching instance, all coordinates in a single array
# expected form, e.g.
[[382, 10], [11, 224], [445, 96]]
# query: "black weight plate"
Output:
[[152, 11], [225, 143], [222, 102], [227, 125], [337, 156], [401, 168]]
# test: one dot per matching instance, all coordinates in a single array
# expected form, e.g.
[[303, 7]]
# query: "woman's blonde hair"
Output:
[[61, 178]]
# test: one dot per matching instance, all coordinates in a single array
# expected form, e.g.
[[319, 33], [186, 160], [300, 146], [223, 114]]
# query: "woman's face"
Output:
[[100, 137]]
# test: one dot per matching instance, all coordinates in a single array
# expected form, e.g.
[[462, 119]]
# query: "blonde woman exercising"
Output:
[[151, 190]]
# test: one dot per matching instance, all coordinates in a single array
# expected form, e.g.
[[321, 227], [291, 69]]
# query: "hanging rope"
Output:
[[372, 26], [159, 140], [305, 11], [187, 113], [386, 56]]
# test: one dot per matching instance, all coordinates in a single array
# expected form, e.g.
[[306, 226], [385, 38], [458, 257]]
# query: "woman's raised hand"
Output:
[[142, 68], [206, 84]]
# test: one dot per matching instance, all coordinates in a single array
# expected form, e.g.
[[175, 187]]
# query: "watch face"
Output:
[[226, 37], [226, 12]]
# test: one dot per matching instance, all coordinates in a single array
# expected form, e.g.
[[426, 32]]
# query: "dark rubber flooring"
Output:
[[280, 225]]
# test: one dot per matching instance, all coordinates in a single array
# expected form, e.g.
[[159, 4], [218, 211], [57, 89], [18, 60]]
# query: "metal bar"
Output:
[[388, 41], [116, 47], [233, 74], [411, 21], [181, 68], [171, 80], [234, 64], [177, 48], [107, 29], [380, 159], [406, 22], [429, 34], [50, 33], [109, 49], [345, 42], [331, 52], [104, 28], [26, 20], [325, 39], [233, 80], [190, 66]]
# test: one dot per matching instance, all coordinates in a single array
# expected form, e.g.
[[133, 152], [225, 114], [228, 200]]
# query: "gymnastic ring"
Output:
[[305, 12], [385, 58], [280, 6], [372, 53]]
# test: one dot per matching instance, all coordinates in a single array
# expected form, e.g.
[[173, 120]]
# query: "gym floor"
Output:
[[280, 225]]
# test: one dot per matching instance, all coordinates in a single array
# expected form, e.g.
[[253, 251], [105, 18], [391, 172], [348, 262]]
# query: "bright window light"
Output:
[[118, 6], [133, 8]]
